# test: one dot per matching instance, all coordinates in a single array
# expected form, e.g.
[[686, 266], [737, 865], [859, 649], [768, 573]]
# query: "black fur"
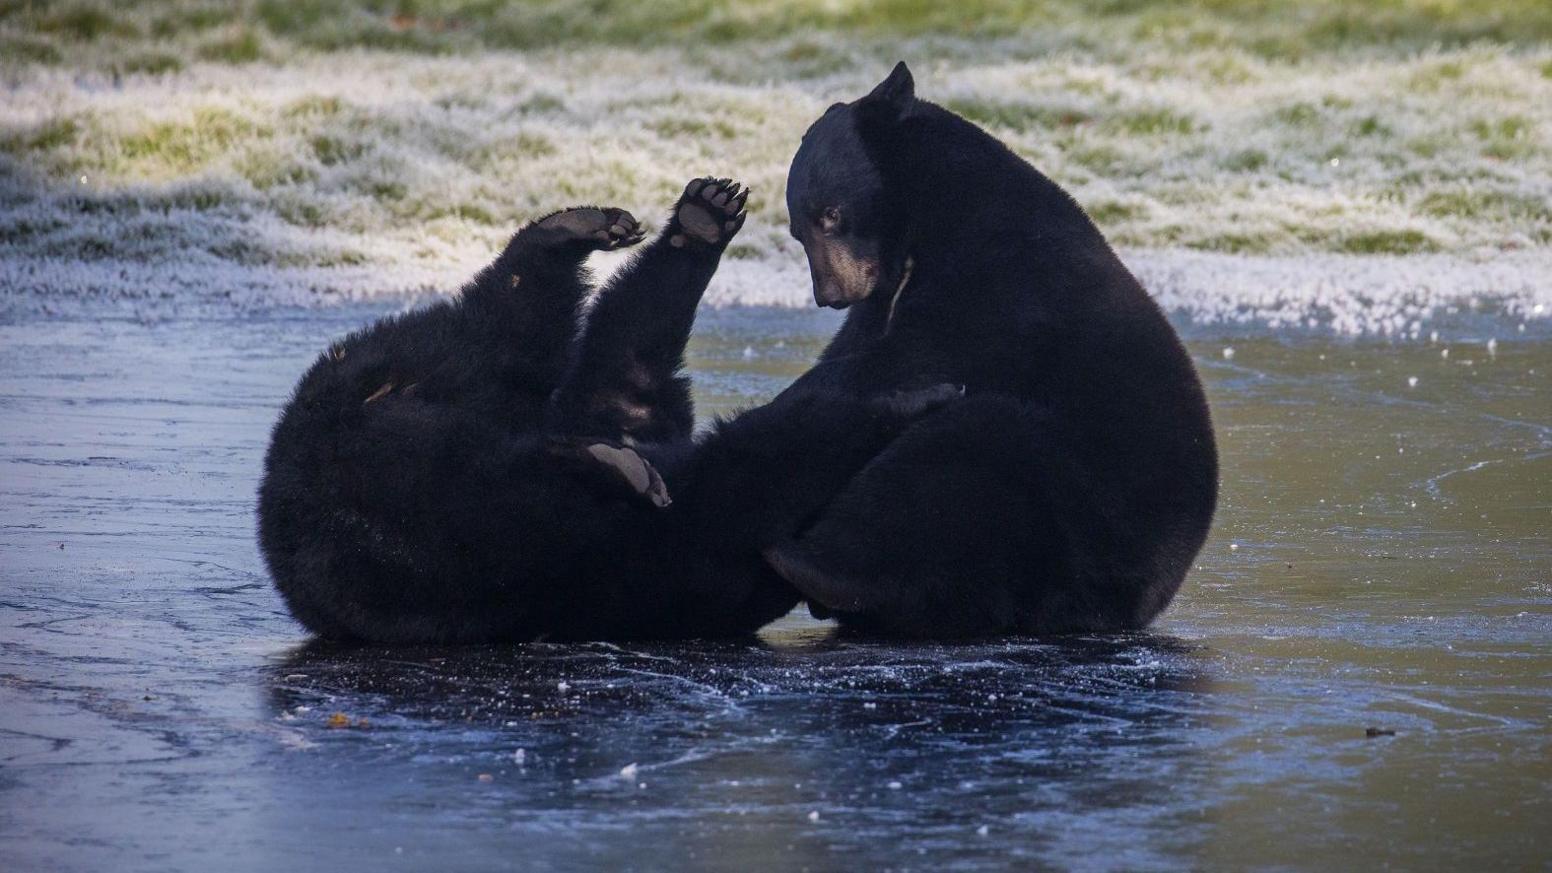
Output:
[[1074, 485], [437, 477]]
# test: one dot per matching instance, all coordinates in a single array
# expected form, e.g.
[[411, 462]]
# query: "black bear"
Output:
[[499, 467], [1073, 485]]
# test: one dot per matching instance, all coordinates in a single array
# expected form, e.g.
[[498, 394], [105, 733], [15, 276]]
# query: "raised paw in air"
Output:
[[615, 468], [708, 214], [601, 229]]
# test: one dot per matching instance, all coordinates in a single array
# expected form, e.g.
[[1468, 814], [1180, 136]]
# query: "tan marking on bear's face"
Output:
[[842, 276]]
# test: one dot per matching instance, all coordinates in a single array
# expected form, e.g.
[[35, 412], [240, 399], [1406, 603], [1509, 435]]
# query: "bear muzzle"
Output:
[[842, 275]]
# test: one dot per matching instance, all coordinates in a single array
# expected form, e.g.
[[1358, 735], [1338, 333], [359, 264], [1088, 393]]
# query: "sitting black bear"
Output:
[[1072, 487]]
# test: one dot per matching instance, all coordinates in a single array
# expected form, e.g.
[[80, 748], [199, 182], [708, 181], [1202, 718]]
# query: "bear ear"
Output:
[[897, 92]]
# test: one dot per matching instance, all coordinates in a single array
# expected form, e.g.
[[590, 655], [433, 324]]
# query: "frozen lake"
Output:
[[1382, 560]]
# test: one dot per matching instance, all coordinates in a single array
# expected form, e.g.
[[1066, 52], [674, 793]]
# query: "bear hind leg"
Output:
[[624, 379]]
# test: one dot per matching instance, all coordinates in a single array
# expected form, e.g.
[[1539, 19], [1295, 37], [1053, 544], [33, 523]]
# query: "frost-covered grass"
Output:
[[222, 29], [197, 147]]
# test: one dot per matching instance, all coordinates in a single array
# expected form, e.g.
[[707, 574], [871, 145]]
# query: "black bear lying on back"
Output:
[[481, 470], [1072, 487]]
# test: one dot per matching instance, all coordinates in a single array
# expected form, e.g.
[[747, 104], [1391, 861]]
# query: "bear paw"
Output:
[[826, 591], [708, 214], [602, 230], [614, 467]]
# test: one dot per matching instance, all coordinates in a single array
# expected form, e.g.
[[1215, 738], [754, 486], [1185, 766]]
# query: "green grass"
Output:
[[1505, 138], [53, 134], [1017, 116], [1247, 161], [1265, 28], [22, 48], [1301, 114], [1152, 122], [180, 149], [1371, 125], [151, 64], [1486, 204], [331, 150], [312, 106], [693, 128], [82, 22], [1387, 242], [1108, 212], [242, 46]]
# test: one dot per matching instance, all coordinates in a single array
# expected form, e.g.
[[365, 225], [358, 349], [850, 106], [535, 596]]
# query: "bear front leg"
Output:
[[758, 479], [888, 365]]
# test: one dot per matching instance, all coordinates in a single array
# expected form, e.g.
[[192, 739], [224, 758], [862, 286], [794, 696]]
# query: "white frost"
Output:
[[370, 174]]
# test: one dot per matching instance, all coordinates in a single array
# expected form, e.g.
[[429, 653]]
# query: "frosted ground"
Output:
[[1387, 176]]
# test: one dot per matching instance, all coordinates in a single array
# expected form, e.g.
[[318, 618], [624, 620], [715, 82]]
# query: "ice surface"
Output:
[[1399, 297], [152, 685]]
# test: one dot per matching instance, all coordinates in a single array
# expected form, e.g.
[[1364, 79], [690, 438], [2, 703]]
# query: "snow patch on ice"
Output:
[[1402, 297], [1398, 296]]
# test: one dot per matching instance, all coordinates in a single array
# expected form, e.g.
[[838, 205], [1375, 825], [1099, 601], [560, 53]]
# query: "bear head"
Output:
[[852, 231]]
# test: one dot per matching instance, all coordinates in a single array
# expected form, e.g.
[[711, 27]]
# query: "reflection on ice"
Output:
[[799, 742]]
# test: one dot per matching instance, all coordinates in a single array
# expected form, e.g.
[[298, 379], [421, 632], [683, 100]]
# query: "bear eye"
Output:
[[830, 218]]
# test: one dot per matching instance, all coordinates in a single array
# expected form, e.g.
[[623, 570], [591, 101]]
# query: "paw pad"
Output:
[[710, 212], [602, 229], [615, 466]]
